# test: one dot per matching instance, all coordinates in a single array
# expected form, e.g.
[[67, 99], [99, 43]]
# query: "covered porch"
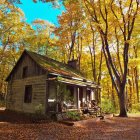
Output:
[[80, 93]]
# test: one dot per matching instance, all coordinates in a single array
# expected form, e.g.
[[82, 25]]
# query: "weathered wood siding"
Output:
[[16, 89], [52, 93], [33, 68], [52, 90], [36, 77]]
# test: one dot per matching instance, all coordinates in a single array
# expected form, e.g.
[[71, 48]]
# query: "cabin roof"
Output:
[[50, 65], [78, 82]]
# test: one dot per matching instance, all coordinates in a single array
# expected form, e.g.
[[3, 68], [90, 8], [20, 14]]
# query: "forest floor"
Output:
[[16, 127]]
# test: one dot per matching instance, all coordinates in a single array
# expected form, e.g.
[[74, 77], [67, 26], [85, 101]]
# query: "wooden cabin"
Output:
[[34, 81]]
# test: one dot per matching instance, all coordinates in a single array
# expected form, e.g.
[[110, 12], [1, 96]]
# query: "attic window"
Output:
[[28, 94], [25, 72]]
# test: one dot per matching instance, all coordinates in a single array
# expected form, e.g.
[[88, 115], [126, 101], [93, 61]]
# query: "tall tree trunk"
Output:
[[115, 78], [122, 103], [130, 94], [113, 97], [130, 91], [99, 76], [136, 84], [80, 52], [136, 74], [92, 61], [71, 54], [92, 51]]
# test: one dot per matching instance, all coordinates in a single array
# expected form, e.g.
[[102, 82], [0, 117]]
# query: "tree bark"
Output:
[[122, 102], [113, 97], [137, 84], [136, 74]]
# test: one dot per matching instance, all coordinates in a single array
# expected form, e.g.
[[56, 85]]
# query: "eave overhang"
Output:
[[75, 82]]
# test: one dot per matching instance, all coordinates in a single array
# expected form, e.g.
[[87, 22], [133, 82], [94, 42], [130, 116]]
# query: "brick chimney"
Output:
[[74, 64]]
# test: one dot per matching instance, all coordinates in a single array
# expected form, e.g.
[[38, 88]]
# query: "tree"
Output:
[[12, 31], [122, 16], [16, 35], [70, 32]]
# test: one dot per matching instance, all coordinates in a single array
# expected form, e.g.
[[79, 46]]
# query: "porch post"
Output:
[[47, 96], [57, 89], [92, 94], [84, 95], [78, 98], [75, 96]]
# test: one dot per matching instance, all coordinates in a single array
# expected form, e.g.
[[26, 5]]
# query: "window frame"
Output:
[[28, 94], [25, 72]]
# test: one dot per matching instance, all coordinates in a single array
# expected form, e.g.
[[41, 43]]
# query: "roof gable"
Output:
[[49, 65], [54, 66]]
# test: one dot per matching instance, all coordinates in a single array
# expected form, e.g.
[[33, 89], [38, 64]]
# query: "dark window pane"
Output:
[[25, 72], [28, 94]]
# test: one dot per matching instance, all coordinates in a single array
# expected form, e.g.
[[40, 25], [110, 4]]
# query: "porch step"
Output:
[[90, 111]]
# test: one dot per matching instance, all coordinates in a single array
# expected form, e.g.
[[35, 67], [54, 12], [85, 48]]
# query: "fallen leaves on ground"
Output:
[[16, 127]]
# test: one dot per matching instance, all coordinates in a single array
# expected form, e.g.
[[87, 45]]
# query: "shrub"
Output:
[[75, 116], [135, 108], [39, 113], [39, 109], [107, 106]]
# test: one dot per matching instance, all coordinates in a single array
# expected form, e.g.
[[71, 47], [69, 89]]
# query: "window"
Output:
[[28, 94], [25, 72]]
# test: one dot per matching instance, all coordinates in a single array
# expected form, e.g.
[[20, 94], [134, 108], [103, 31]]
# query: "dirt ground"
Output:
[[17, 127]]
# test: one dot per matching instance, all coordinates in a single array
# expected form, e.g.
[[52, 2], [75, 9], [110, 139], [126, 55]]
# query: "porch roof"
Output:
[[76, 82]]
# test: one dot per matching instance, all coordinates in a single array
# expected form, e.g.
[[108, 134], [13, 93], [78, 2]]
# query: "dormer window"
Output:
[[25, 72]]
